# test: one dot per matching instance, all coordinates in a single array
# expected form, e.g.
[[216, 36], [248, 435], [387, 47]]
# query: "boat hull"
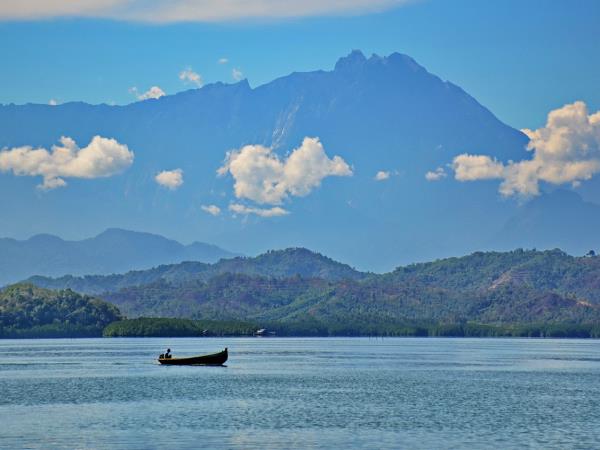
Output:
[[216, 359]]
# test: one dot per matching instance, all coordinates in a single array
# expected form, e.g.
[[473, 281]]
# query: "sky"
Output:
[[519, 59]]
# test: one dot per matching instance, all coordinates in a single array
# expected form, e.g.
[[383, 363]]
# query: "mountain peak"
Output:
[[397, 61], [114, 232], [400, 59], [45, 238], [356, 58]]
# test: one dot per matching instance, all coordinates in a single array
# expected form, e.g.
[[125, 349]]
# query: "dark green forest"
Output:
[[27, 311]]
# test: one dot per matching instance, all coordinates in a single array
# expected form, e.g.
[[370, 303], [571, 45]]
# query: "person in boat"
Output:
[[168, 354]]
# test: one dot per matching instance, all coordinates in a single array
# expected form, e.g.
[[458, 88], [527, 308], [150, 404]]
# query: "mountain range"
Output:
[[385, 115], [308, 291], [292, 262], [112, 251]]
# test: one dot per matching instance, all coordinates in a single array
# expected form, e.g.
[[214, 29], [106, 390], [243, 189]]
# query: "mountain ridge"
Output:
[[275, 263], [113, 250], [545, 270]]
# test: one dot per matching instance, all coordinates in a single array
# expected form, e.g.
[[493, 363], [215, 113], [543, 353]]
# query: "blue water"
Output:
[[301, 393]]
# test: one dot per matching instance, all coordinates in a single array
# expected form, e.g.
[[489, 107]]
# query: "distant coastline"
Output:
[[168, 327], [163, 327]]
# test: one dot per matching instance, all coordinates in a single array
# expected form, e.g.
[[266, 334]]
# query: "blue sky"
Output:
[[520, 59]]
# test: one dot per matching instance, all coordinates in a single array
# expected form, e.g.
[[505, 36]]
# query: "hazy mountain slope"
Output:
[[112, 251], [378, 113], [560, 219], [275, 263]]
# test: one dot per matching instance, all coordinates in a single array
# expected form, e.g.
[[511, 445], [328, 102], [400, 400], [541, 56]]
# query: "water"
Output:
[[301, 393]]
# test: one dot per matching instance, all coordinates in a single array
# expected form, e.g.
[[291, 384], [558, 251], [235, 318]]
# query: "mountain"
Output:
[[306, 291], [112, 251], [378, 113], [542, 271], [29, 311], [374, 304], [558, 219], [276, 264]]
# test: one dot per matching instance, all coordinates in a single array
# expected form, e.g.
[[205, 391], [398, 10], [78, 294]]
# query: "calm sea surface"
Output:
[[301, 393]]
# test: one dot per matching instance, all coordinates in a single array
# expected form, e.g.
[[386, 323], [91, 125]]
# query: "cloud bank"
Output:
[[261, 176], [566, 150], [237, 74], [188, 76], [171, 179], [188, 10], [102, 157], [213, 210], [382, 175], [436, 175], [275, 211], [153, 92]]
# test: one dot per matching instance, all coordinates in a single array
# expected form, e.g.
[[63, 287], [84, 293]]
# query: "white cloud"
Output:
[[171, 179], [476, 167], [213, 210], [382, 175], [260, 175], [153, 92], [101, 158], [566, 150], [188, 76], [222, 61], [237, 74], [436, 174], [188, 10], [262, 212]]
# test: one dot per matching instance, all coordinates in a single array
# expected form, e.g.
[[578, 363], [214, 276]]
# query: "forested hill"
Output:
[[29, 311], [277, 263], [305, 292], [551, 270], [372, 306]]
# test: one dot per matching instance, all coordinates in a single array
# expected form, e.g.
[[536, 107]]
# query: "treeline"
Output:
[[55, 330], [558, 330], [165, 327]]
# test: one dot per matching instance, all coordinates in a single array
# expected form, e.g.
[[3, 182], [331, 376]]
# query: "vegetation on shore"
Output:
[[165, 327], [27, 311]]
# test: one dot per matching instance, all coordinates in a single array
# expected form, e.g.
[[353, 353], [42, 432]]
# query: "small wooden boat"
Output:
[[216, 359]]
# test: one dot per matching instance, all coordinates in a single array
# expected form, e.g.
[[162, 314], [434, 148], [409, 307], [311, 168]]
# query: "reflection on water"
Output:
[[301, 393]]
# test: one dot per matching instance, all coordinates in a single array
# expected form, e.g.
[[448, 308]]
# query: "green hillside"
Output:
[[276, 263], [300, 292], [29, 311]]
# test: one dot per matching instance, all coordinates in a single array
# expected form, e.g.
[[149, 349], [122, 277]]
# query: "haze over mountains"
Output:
[[388, 118], [112, 251]]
